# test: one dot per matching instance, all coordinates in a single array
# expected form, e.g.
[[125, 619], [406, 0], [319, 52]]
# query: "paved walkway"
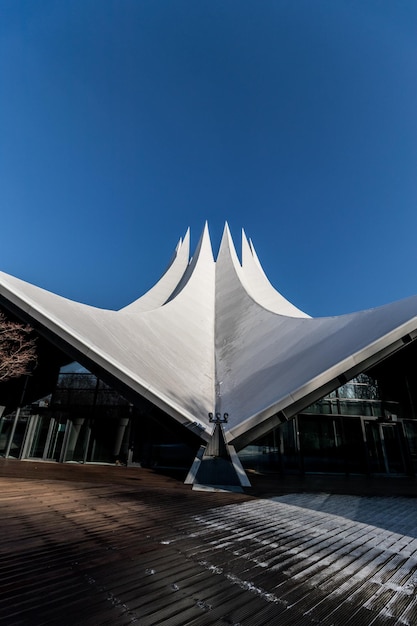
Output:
[[100, 545]]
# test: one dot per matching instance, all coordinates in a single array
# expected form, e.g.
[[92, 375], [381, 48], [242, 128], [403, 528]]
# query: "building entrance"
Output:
[[77, 439], [384, 447], [45, 438]]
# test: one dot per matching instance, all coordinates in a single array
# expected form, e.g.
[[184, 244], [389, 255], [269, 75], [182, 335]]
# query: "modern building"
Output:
[[214, 370]]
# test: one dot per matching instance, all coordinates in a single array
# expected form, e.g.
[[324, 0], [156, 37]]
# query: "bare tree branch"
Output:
[[17, 349]]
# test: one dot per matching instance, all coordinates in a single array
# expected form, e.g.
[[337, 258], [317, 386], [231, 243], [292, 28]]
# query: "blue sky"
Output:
[[123, 122]]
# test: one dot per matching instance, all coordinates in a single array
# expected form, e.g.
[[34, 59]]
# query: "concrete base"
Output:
[[218, 488], [217, 465]]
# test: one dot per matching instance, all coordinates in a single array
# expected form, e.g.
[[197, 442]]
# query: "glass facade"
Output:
[[367, 425], [85, 420], [357, 428]]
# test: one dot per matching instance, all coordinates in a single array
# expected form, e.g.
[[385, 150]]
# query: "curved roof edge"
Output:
[[166, 285], [287, 407], [259, 286], [216, 336]]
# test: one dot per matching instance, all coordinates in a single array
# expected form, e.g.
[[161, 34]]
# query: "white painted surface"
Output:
[[216, 336]]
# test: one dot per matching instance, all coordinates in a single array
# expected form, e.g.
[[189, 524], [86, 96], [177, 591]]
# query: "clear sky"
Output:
[[123, 122]]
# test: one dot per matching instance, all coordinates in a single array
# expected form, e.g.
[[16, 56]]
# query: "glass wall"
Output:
[[95, 417], [355, 429], [13, 427], [368, 425], [359, 396], [85, 420]]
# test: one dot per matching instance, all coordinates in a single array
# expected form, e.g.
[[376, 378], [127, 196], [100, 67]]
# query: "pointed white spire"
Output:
[[259, 286], [227, 248], [227, 341], [162, 290], [246, 249], [202, 258]]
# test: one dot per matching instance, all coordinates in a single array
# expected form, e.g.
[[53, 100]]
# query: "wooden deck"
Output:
[[104, 545]]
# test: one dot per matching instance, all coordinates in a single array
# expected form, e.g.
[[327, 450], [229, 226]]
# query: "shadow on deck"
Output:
[[100, 545]]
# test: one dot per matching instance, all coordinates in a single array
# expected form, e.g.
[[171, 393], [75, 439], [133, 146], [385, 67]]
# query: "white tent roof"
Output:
[[215, 336]]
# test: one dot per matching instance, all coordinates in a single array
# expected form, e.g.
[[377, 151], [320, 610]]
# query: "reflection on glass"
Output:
[[359, 396]]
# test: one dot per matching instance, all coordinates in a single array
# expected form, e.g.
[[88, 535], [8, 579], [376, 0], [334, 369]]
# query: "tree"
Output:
[[17, 349]]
